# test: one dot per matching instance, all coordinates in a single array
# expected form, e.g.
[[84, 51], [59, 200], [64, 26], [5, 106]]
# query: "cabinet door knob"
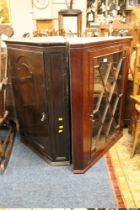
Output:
[[43, 117]]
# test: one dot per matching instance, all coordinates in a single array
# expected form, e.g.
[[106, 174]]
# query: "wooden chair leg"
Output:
[[132, 120], [135, 138], [5, 155]]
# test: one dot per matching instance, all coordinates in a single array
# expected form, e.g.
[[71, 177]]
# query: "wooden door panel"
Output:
[[30, 98]]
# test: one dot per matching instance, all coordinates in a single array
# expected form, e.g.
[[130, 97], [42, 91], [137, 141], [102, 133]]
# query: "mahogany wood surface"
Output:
[[82, 99]]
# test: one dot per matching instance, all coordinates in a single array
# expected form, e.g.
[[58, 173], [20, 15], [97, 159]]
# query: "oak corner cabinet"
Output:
[[69, 95]]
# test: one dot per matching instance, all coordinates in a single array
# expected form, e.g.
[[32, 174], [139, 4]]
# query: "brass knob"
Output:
[[43, 117]]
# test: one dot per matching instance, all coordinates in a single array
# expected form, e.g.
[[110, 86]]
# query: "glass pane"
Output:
[[107, 82]]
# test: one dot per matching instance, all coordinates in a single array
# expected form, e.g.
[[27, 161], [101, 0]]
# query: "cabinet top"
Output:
[[58, 40]]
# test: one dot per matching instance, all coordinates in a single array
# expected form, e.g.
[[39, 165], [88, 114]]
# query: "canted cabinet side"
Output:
[[58, 94]]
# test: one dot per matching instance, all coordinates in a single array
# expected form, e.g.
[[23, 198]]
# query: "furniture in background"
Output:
[[44, 24], [121, 29], [69, 93], [70, 13], [115, 28], [129, 110], [136, 100], [7, 127]]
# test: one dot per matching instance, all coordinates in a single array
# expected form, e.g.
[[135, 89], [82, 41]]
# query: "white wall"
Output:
[[21, 18], [22, 14]]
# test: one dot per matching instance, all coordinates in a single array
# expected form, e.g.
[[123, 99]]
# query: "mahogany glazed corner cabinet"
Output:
[[69, 95]]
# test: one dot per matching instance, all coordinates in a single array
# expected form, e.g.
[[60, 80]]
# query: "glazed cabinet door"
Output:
[[106, 108], [27, 77], [99, 104]]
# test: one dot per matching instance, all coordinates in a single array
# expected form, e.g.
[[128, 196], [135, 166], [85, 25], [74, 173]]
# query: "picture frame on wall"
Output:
[[61, 1], [5, 17]]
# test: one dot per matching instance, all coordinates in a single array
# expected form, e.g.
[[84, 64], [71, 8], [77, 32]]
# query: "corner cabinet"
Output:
[[69, 94], [39, 76], [98, 87]]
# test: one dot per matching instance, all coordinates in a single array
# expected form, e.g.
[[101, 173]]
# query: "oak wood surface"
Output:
[[40, 81]]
